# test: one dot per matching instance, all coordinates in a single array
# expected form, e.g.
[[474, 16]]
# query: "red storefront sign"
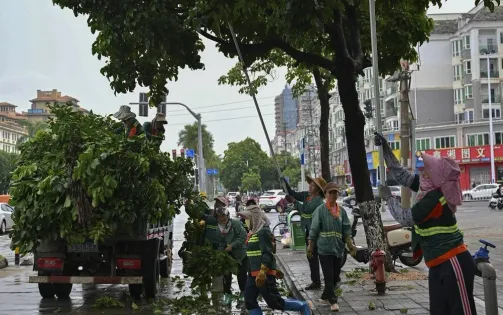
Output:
[[480, 154]]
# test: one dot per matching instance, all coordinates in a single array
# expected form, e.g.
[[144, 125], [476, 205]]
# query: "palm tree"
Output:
[[187, 138]]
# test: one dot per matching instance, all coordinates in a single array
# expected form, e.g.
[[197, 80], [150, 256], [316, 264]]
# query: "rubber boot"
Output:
[[299, 306], [227, 299], [257, 311]]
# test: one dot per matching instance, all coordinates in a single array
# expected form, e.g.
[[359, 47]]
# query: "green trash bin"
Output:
[[297, 234]]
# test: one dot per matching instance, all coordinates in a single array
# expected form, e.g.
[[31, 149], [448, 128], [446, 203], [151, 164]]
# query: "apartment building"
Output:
[[40, 110], [8, 113], [10, 134], [456, 79]]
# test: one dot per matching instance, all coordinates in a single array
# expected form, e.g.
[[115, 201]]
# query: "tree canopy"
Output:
[[187, 137], [7, 165], [251, 181]]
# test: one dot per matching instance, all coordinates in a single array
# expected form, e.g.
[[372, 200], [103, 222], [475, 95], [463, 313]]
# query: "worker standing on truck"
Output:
[[231, 237], [262, 272], [154, 130], [131, 126]]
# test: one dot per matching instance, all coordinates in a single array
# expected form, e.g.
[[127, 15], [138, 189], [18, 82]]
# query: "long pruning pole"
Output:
[[252, 92]]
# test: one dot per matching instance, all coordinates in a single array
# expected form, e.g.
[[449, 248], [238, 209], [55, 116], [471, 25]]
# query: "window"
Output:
[[457, 72], [460, 118], [468, 67], [496, 113], [395, 145], [468, 92], [458, 96], [423, 144], [477, 139], [498, 136], [456, 48], [466, 42], [394, 125], [445, 142], [501, 37], [469, 115]]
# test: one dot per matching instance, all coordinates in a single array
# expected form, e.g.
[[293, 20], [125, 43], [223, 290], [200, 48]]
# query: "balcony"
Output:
[[495, 99], [36, 111], [487, 49], [492, 73]]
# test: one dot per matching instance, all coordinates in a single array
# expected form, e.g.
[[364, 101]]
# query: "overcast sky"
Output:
[[45, 47]]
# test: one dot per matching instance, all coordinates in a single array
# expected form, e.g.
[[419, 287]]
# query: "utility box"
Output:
[[296, 232]]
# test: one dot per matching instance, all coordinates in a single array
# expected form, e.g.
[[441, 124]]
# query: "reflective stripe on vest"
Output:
[[437, 229], [254, 253], [306, 216], [253, 239], [213, 227], [331, 234]]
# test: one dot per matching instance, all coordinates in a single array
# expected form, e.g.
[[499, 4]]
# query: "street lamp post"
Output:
[[200, 158], [491, 132], [377, 97]]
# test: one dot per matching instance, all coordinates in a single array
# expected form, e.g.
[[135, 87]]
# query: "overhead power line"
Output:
[[218, 110], [215, 120], [220, 104]]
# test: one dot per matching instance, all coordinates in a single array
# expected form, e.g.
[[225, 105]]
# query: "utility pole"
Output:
[[405, 124]]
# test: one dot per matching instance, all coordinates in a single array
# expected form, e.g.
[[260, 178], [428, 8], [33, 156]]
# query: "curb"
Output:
[[290, 283]]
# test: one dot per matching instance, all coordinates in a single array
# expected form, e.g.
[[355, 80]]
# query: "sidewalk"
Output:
[[359, 297]]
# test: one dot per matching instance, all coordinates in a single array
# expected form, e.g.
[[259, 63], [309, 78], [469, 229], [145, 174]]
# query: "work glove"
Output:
[[379, 140], [202, 223], [261, 278], [310, 249], [351, 246], [384, 192], [279, 275], [290, 199]]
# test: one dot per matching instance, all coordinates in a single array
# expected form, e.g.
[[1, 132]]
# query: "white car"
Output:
[[270, 199], [396, 191], [6, 222], [484, 191]]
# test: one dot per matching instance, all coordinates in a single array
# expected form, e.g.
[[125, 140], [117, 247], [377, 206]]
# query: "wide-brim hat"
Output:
[[319, 181], [221, 199], [331, 187], [161, 118], [124, 113]]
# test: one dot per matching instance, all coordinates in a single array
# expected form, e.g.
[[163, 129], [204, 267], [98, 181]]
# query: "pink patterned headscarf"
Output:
[[442, 173]]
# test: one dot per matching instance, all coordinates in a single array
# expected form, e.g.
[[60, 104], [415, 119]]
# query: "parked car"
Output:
[[270, 200], [484, 191], [6, 222], [351, 199], [396, 191]]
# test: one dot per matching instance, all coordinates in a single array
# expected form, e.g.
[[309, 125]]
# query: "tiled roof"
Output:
[[15, 126], [7, 104], [486, 15], [445, 27], [61, 99]]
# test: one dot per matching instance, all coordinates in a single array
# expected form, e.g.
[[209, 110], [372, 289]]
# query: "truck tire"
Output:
[[46, 290], [135, 291], [151, 282], [63, 290], [167, 264]]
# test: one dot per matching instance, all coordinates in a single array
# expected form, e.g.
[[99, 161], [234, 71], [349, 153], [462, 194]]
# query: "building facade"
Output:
[[8, 113], [10, 135], [40, 110], [457, 78]]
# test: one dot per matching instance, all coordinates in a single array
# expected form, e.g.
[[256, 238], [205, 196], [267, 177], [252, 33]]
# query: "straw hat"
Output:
[[319, 181], [124, 113]]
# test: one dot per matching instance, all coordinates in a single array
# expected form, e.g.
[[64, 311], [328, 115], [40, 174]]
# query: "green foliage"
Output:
[[81, 180], [251, 181], [7, 165], [240, 158], [193, 248], [187, 137]]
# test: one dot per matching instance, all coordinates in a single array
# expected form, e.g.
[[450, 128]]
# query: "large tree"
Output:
[[146, 43], [7, 165]]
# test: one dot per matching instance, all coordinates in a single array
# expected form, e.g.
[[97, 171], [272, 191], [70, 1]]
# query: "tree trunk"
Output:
[[355, 123], [324, 97]]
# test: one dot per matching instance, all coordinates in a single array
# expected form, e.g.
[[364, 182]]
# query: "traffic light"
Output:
[[173, 153], [368, 109], [143, 112], [182, 153], [161, 108]]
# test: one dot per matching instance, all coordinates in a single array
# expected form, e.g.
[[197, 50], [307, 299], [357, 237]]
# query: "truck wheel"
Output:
[[135, 291], [151, 283], [46, 290], [166, 264], [63, 290]]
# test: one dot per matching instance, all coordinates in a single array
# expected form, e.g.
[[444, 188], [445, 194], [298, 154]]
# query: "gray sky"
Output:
[[45, 47]]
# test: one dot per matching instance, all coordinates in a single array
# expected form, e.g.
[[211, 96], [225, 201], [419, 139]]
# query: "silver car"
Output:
[[6, 222]]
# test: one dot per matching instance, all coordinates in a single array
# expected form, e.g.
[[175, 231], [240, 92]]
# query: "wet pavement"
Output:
[[19, 297]]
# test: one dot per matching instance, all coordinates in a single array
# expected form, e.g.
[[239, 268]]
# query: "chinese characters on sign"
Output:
[[470, 154]]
